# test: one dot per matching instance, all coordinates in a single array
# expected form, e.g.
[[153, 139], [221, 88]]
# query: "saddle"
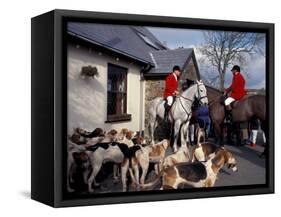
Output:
[[237, 102]]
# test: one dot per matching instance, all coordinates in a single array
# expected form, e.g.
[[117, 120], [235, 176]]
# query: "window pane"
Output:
[[111, 102], [116, 87]]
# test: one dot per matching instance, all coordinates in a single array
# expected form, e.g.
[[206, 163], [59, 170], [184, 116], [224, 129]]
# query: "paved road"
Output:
[[251, 168]]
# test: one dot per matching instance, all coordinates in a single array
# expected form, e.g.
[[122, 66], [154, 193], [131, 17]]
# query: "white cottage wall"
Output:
[[87, 98]]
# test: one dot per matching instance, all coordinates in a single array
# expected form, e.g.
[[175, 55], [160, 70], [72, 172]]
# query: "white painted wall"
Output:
[[87, 98]]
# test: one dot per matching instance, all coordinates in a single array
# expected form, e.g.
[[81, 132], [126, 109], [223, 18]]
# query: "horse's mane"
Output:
[[189, 87], [213, 89]]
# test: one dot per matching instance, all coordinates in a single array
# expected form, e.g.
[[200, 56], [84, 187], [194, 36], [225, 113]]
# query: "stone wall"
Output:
[[155, 88]]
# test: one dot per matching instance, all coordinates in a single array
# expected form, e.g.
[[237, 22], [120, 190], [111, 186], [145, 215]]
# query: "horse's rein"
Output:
[[201, 97], [185, 98], [188, 113]]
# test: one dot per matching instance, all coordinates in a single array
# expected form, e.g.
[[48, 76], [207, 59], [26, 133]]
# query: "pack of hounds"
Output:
[[131, 157]]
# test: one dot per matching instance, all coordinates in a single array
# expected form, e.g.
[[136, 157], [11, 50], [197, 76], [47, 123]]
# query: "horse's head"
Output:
[[201, 93]]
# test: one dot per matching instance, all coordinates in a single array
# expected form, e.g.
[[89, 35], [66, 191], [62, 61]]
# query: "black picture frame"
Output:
[[49, 117]]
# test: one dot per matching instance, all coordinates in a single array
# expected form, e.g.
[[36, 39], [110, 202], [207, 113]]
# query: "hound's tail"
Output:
[[155, 181]]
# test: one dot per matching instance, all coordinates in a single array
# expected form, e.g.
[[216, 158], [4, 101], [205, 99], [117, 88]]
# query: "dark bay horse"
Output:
[[245, 109]]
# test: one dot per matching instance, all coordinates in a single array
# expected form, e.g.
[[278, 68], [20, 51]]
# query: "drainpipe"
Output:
[[142, 97]]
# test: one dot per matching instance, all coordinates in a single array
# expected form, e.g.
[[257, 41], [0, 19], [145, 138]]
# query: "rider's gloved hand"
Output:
[[176, 93]]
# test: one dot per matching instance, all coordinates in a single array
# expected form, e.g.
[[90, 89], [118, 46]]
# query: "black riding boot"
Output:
[[228, 116], [166, 115]]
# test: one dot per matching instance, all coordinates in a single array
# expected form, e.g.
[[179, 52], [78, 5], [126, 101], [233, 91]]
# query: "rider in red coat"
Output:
[[237, 89], [171, 89]]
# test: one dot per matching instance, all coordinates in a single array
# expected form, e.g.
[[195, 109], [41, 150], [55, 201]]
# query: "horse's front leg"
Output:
[[185, 133], [185, 143], [176, 133], [153, 125], [218, 133]]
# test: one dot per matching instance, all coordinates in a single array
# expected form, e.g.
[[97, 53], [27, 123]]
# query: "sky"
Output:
[[254, 70]]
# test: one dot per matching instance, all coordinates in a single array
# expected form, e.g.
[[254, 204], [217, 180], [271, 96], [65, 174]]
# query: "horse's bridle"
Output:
[[198, 91], [200, 97]]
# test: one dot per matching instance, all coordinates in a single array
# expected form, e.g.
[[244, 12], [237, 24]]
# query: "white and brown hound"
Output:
[[148, 154], [179, 157], [196, 174], [203, 151]]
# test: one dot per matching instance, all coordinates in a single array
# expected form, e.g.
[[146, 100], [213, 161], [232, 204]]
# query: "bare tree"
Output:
[[223, 48]]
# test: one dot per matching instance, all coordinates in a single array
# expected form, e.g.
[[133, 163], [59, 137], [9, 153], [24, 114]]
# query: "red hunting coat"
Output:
[[171, 85], [237, 87]]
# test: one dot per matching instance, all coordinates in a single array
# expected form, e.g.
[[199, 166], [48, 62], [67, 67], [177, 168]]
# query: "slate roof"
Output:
[[136, 42], [119, 38], [164, 60]]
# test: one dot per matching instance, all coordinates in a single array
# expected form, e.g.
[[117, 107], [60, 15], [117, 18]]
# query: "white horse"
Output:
[[180, 113]]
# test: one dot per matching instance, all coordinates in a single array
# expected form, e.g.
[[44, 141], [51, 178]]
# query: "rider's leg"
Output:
[[254, 137], [228, 112]]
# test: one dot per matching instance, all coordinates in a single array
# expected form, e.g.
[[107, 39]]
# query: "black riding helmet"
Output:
[[176, 68], [236, 67]]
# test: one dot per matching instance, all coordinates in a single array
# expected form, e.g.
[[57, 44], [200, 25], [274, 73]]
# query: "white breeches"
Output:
[[228, 101], [254, 136], [263, 136], [170, 100]]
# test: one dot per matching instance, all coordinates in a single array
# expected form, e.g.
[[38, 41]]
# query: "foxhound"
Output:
[[196, 174], [203, 151], [179, 157]]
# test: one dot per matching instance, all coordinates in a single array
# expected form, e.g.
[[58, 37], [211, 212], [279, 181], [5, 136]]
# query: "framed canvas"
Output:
[[133, 108]]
